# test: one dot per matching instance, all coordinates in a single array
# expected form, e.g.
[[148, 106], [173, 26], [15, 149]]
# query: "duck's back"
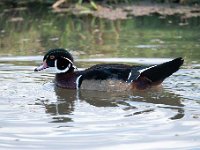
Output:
[[106, 77], [120, 77]]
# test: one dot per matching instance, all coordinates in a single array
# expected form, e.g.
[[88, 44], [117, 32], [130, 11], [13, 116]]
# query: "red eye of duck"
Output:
[[52, 57]]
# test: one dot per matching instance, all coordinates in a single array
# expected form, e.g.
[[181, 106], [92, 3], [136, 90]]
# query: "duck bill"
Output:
[[42, 67]]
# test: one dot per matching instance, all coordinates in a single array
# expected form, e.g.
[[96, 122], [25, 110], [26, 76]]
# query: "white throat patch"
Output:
[[62, 71]]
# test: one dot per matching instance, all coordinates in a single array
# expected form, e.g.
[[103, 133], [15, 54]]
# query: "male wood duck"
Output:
[[106, 77]]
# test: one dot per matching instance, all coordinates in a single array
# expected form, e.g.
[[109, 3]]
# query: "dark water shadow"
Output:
[[63, 109]]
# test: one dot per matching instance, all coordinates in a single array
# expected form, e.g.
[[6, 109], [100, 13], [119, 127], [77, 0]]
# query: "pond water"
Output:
[[34, 114]]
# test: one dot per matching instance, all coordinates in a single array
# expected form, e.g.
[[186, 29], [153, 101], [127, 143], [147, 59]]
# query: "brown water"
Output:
[[34, 114]]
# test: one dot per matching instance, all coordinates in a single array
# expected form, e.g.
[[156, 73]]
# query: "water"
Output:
[[34, 114]]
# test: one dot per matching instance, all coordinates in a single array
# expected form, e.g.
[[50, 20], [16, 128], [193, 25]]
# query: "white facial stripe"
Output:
[[68, 60], [77, 81], [61, 71]]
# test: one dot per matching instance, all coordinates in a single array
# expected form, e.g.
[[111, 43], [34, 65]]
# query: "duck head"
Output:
[[59, 59]]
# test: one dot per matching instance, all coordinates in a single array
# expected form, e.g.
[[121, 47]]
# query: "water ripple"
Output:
[[35, 114]]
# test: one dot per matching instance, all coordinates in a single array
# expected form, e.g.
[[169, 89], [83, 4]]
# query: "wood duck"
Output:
[[106, 77]]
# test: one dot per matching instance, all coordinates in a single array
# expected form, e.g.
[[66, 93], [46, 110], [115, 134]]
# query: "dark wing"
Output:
[[160, 72], [135, 73], [107, 71], [156, 73]]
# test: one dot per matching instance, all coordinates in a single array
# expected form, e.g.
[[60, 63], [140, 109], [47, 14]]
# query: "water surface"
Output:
[[35, 114]]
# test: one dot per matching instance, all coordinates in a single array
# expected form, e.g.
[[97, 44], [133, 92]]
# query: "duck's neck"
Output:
[[66, 80]]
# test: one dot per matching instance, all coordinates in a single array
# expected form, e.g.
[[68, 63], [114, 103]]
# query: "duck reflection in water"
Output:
[[67, 99]]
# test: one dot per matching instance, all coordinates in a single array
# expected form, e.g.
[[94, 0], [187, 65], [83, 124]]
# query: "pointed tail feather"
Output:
[[158, 73]]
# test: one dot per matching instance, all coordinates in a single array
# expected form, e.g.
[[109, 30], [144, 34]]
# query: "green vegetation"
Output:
[[26, 32], [29, 30], [15, 3]]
